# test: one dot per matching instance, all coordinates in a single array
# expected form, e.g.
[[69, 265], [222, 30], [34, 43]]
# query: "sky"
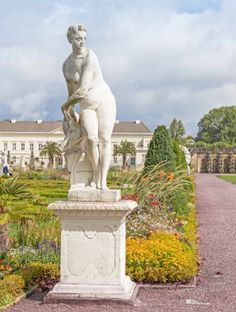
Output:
[[162, 59]]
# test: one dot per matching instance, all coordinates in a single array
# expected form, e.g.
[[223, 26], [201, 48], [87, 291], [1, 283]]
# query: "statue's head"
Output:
[[77, 35]]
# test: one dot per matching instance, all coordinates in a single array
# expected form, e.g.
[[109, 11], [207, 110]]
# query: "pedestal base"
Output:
[[93, 252], [72, 293]]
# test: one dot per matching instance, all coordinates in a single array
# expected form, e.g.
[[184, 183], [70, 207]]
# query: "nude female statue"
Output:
[[87, 87]]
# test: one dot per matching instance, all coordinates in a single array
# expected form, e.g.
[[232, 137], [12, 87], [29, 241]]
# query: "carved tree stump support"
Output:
[[93, 250]]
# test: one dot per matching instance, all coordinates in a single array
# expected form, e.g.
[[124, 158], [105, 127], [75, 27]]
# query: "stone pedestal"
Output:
[[92, 251]]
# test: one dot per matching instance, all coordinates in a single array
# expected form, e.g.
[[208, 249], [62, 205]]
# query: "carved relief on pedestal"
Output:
[[94, 251]]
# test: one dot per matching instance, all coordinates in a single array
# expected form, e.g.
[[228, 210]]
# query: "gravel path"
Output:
[[216, 290]]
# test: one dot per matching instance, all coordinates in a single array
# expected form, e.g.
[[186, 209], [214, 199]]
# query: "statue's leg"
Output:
[[90, 127], [106, 118]]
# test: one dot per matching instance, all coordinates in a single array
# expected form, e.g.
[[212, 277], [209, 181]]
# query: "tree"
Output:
[[176, 130], [50, 149], [179, 155], [218, 125], [160, 149], [12, 191], [124, 149]]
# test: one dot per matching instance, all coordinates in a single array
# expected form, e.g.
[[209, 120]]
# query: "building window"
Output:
[[14, 146], [132, 161], [40, 146], [59, 161], [115, 160], [14, 159], [31, 146], [5, 147], [22, 146], [114, 147]]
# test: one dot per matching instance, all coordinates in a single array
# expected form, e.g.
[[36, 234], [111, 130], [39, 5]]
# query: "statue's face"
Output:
[[79, 39]]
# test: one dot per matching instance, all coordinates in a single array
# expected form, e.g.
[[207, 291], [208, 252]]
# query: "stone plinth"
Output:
[[92, 194], [92, 251]]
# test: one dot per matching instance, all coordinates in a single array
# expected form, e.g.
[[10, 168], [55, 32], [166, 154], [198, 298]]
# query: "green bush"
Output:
[[161, 258], [200, 144], [11, 286], [160, 150], [36, 272], [179, 156], [14, 285]]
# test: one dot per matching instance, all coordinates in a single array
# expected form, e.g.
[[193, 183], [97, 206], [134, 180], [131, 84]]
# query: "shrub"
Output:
[[200, 144], [10, 287], [161, 258], [160, 150], [179, 156], [36, 272]]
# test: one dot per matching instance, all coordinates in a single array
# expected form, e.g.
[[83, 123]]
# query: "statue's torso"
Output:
[[72, 70], [98, 90]]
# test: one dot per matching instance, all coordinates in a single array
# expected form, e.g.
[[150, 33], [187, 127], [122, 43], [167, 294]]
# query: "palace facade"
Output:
[[22, 141]]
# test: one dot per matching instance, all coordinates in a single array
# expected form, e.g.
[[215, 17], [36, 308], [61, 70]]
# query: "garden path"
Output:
[[216, 289]]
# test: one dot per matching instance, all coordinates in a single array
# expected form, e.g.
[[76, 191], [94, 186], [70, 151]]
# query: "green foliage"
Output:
[[50, 149], [161, 258], [14, 285], [179, 156], [164, 185], [176, 130], [124, 149], [37, 271], [10, 287], [219, 124], [160, 149], [45, 175], [161, 196], [46, 252], [14, 206]]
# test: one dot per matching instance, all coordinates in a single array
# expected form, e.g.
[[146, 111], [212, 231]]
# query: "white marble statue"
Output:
[[187, 156], [88, 135], [2, 162]]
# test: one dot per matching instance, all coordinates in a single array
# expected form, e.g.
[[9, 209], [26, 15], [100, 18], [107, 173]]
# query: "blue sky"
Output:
[[162, 59]]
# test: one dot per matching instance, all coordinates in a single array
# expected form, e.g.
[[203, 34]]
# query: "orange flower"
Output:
[[162, 173], [170, 176], [2, 267]]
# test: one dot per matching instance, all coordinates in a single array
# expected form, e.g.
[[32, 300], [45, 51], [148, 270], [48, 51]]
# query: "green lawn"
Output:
[[228, 178]]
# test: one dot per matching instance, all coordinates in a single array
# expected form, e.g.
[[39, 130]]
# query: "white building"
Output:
[[21, 141]]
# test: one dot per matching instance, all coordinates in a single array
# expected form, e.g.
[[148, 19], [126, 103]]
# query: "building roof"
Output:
[[51, 126]]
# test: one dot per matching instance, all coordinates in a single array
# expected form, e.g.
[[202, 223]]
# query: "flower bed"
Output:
[[13, 285], [161, 258]]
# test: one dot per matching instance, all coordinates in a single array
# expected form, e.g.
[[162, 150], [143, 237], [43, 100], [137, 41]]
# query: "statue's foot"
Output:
[[93, 184], [104, 186]]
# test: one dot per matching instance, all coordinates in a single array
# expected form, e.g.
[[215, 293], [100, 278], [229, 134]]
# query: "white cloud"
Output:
[[162, 59], [29, 106]]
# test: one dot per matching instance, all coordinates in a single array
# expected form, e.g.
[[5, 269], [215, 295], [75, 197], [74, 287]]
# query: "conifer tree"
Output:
[[160, 149]]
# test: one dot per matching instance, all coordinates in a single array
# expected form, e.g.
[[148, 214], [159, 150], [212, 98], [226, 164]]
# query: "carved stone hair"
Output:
[[72, 30]]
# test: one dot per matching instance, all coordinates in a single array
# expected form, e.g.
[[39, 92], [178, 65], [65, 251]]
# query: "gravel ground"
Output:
[[216, 285]]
